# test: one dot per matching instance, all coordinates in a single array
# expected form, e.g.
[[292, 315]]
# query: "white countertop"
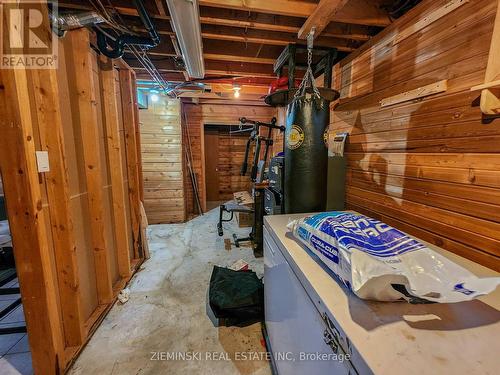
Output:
[[400, 338]]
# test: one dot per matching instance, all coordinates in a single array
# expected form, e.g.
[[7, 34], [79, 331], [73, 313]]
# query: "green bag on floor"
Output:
[[236, 297]]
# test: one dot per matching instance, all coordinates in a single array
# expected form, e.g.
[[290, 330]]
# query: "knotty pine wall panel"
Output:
[[195, 117], [162, 161], [430, 166]]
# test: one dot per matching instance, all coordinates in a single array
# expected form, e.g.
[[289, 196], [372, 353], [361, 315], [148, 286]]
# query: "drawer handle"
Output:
[[269, 247], [330, 341]]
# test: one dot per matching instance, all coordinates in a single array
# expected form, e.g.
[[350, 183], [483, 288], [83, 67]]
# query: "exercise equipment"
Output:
[[257, 176], [306, 151], [273, 195]]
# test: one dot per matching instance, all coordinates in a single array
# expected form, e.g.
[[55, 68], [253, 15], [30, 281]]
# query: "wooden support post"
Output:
[[129, 114], [50, 129], [112, 134], [87, 108], [27, 222], [138, 138]]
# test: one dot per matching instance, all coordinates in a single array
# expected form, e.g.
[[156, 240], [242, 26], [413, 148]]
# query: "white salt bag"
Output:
[[379, 262]]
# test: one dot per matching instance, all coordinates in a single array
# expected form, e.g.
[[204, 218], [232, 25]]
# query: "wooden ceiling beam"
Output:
[[238, 68], [221, 57], [321, 17], [213, 66], [127, 11], [161, 7], [261, 21], [363, 12], [282, 7], [360, 12], [269, 38]]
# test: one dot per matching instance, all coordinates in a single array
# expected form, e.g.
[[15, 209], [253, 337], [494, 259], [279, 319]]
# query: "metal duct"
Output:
[[69, 21]]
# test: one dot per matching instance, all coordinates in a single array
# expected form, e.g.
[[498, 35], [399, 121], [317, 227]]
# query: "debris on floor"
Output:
[[239, 265], [124, 295]]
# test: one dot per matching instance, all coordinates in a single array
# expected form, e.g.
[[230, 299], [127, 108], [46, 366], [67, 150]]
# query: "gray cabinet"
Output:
[[302, 338]]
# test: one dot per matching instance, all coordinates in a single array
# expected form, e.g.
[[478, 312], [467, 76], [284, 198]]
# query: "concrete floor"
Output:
[[166, 313]]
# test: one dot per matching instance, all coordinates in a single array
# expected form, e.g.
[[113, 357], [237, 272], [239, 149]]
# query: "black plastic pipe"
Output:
[[115, 48]]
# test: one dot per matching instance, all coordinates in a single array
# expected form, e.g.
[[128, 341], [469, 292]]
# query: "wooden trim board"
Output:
[[426, 21], [421, 92], [490, 96]]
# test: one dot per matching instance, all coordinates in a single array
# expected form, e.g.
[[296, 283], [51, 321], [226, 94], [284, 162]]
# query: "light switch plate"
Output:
[[42, 161]]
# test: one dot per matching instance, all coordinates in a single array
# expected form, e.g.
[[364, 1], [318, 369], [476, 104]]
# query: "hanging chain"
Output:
[[308, 80], [310, 43]]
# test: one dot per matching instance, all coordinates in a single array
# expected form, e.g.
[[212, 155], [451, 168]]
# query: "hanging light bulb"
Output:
[[236, 89]]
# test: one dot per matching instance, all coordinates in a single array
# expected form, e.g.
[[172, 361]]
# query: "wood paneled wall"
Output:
[[162, 161], [430, 167], [74, 227], [231, 155], [195, 116]]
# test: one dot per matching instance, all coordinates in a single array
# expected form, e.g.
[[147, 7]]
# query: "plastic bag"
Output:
[[379, 262]]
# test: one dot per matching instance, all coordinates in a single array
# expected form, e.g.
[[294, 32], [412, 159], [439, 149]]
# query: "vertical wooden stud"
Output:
[[112, 131], [138, 138], [50, 130], [87, 108], [129, 121], [27, 223]]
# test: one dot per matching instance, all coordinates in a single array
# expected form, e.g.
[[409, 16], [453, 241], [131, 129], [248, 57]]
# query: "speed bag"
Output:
[[306, 154]]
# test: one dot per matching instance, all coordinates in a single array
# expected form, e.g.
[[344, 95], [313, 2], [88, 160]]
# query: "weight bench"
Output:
[[231, 208]]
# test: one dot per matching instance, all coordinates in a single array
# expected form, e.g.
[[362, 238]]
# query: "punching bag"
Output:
[[306, 153]]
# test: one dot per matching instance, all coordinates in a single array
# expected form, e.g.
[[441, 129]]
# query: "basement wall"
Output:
[[430, 167], [162, 161], [75, 228]]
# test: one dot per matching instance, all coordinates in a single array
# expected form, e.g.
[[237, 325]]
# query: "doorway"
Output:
[[224, 151], [212, 175], [15, 356]]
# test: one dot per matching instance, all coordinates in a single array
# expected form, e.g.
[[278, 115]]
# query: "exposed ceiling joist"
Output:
[[217, 67], [160, 4], [284, 7], [321, 17], [363, 12], [227, 57], [335, 30], [266, 37], [360, 12]]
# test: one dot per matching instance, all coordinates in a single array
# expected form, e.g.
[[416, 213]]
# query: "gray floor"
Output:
[[166, 313], [15, 356]]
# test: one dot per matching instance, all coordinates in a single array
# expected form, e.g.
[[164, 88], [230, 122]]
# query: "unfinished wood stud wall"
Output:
[[73, 226]]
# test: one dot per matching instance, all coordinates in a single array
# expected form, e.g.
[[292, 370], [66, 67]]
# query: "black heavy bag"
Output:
[[306, 153]]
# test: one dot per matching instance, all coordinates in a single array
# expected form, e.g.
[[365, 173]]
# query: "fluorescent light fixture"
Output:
[[185, 20]]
